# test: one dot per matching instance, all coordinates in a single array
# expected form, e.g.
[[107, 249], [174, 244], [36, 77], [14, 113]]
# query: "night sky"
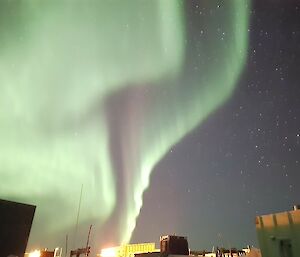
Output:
[[176, 117], [243, 161]]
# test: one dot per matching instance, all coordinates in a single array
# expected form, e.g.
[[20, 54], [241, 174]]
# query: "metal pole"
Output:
[[88, 240], [77, 219], [66, 245]]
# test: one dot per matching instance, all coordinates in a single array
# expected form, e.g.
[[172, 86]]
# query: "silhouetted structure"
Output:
[[15, 224], [80, 251], [174, 245]]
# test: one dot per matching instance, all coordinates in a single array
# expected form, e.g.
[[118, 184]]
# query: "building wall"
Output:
[[279, 234], [127, 250]]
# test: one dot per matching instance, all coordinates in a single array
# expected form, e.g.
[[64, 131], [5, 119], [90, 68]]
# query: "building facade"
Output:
[[279, 234]]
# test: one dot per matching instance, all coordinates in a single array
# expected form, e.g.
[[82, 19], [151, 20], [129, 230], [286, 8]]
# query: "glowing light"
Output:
[[109, 252], [35, 253]]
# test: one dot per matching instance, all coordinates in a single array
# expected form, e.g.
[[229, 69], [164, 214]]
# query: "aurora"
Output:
[[96, 93]]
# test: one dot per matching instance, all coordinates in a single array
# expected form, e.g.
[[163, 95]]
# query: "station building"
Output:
[[279, 234]]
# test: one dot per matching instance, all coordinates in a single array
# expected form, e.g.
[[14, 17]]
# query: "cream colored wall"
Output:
[[272, 229]]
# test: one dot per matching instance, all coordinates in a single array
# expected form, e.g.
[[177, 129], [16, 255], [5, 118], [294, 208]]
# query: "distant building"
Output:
[[128, 250], [225, 253], [233, 252], [173, 246], [57, 252], [279, 234], [176, 245]]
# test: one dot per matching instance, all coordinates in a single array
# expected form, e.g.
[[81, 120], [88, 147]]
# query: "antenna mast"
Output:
[[77, 219]]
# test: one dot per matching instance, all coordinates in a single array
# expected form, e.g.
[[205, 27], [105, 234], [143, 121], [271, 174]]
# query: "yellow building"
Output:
[[279, 234], [128, 250]]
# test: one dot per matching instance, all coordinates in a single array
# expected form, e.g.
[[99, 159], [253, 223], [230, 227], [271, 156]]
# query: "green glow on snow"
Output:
[[59, 63]]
